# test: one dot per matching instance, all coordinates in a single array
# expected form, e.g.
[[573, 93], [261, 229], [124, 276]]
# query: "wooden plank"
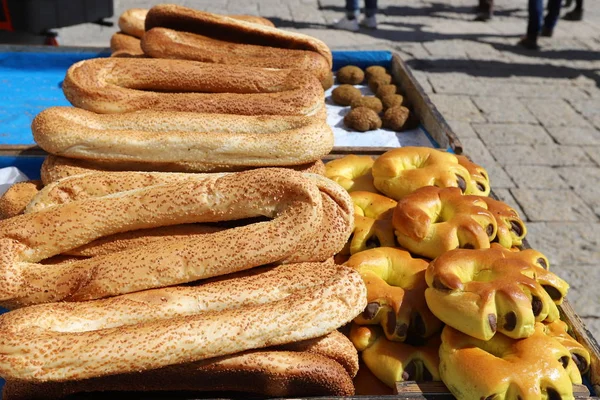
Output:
[[427, 390], [424, 109]]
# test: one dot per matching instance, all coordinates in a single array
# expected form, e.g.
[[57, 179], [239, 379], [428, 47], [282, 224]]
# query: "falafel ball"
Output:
[[379, 80], [384, 90], [395, 118], [343, 95], [374, 70], [368, 101], [328, 81], [351, 75], [362, 119], [392, 100]]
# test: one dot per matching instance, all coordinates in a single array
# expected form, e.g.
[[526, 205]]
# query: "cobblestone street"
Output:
[[532, 118]]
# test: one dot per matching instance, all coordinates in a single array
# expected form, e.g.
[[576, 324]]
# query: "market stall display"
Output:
[[211, 281]]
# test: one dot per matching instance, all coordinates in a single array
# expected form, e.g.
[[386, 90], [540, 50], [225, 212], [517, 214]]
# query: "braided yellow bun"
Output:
[[537, 367], [511, 229], [393, 362], [352, 172], [580, 356], [401, 171], [481, 292], [395, 293], [433, 220]]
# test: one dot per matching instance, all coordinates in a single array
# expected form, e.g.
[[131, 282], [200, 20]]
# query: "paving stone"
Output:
[[501, 109], [553, 205], [512, 134], [507, 197], [421, 77], [535, 177], [583, 294], [594, 153], [457, 108], [585, 182], [566, 243], [569, 135], [592, 324], [556, 113], [542, 154], [462, 129], [478, 152], [590, 109]]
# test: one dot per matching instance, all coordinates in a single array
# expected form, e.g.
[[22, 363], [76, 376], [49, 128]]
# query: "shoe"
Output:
[[346, 24], [567, 3], [528, 43], [369, 22], [546, 32], [574, 15]]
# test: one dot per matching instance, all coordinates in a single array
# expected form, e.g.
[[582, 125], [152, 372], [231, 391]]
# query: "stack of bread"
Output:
[[182, 237], [451, 294]]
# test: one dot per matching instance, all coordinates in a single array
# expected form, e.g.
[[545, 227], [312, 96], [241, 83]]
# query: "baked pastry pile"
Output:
[[437, 251]]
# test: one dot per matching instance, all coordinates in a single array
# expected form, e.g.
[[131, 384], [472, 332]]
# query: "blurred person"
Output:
[[575, 14], [538, 25], [485, 10], [350, 21]]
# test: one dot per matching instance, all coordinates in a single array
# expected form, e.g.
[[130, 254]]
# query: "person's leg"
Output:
[[551, 17], [352, 9], [535, 9]]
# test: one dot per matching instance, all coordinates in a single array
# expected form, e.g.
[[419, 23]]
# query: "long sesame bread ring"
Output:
[[534, 368], [393, 362], [336, 225], [401, 171], [284, 374], [55, 167], [432, 220], [226, 28], [128, 333], [372, 222], [481, 292], [291, 199], [480, 181], [580, 356], [395, 292], [352, 172], [168, 43], [118, 85], [172, 137], [511, 229]]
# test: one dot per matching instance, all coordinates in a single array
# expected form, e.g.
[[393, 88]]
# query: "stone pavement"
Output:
[[531, 118]]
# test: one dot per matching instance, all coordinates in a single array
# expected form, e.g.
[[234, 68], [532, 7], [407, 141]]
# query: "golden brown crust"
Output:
[[226, 28], [511, 229], [168, 43], [481, 292], [368, 101], [395, 118], [559, 330], [132, 22], [125, 44], [292, 199], [401, 171], [117, 85], [352, 172], [433, 220], [344, 95], [267, 373], [16, 198], [55, 167], [479, 176], [128, 333], [362, 119], [351, 75], [504, 368], [183, 137], [396, 286]]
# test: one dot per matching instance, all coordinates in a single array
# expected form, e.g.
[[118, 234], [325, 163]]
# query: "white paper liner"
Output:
[[377, 138], [10, 175]]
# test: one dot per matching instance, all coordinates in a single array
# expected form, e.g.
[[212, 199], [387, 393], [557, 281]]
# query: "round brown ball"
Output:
[[395, 118], [343, 95], [384, 90], [392, 100], [374, 70], [379, 80], [327, 82], [351, 75], [368, 101], [362, 119]]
